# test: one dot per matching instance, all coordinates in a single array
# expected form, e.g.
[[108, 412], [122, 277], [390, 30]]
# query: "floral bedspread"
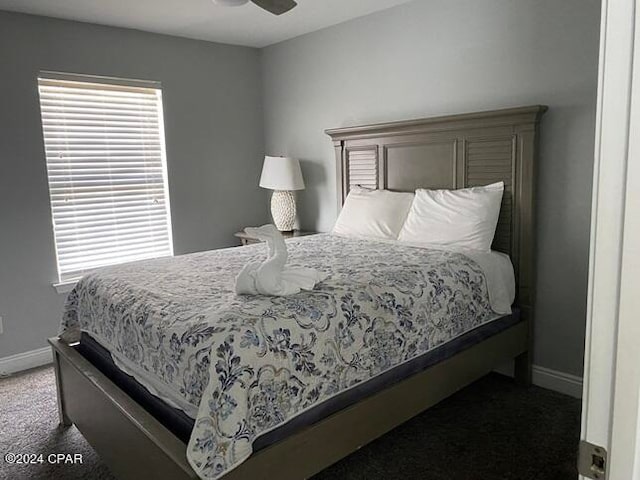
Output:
[[248, 364]]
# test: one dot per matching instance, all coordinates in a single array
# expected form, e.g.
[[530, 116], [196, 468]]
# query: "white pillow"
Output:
[[465, 218], [373, 213]]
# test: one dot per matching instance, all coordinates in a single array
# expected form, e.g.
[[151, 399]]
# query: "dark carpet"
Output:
[[491, 430]]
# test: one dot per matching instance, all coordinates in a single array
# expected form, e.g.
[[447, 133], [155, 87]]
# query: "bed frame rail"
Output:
[[130, 440]]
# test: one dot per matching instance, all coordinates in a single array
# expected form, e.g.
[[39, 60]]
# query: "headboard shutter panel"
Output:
[[491, 160], [362, 167]]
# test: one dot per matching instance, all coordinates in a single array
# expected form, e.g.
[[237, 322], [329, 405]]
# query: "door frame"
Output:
[[625, 428], [612, 357]]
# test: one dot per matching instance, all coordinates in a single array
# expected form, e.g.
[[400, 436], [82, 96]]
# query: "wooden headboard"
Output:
[[455, 151]]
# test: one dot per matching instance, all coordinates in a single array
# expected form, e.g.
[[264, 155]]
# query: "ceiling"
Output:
[[202, 19]]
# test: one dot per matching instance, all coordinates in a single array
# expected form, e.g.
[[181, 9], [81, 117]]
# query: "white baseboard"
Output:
[[550, 379], [25, 361], [557, 381]]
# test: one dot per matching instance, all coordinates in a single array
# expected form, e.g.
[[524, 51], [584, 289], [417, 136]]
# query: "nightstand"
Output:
[[249, 240]]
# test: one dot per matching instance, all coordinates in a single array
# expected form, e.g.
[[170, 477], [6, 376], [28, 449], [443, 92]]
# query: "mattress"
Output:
[[245, 366], [181, 425]]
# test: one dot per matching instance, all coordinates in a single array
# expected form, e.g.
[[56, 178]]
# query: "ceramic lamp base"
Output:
[[283, 210]]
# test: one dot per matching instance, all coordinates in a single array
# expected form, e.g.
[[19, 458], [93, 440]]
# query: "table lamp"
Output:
[[283, 176]]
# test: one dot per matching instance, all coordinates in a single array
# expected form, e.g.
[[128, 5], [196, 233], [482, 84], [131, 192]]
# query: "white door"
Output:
[[612, 352]]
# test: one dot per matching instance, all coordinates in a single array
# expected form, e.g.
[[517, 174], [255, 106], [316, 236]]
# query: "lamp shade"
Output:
[[281, 173]]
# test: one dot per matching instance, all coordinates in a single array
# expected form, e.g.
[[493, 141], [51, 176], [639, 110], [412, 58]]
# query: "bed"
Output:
[[256, 375]]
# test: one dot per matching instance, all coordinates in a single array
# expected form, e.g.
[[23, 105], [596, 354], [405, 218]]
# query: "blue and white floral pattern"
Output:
[[249, 364]]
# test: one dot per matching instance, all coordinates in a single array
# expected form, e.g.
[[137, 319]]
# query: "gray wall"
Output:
[[214, 136], [431, 57]]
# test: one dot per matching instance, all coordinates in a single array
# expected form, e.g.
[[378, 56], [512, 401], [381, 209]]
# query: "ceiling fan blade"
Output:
[[277, 7]]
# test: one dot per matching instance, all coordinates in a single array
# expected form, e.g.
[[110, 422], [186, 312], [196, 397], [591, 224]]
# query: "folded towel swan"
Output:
[[272, 277]]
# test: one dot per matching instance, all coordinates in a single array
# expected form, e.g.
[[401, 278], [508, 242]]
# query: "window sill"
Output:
[[64, 287]]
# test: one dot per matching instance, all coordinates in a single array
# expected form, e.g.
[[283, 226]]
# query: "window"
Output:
[[106, 165]]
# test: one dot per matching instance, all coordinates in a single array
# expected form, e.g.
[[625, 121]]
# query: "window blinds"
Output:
[[107, 173]]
